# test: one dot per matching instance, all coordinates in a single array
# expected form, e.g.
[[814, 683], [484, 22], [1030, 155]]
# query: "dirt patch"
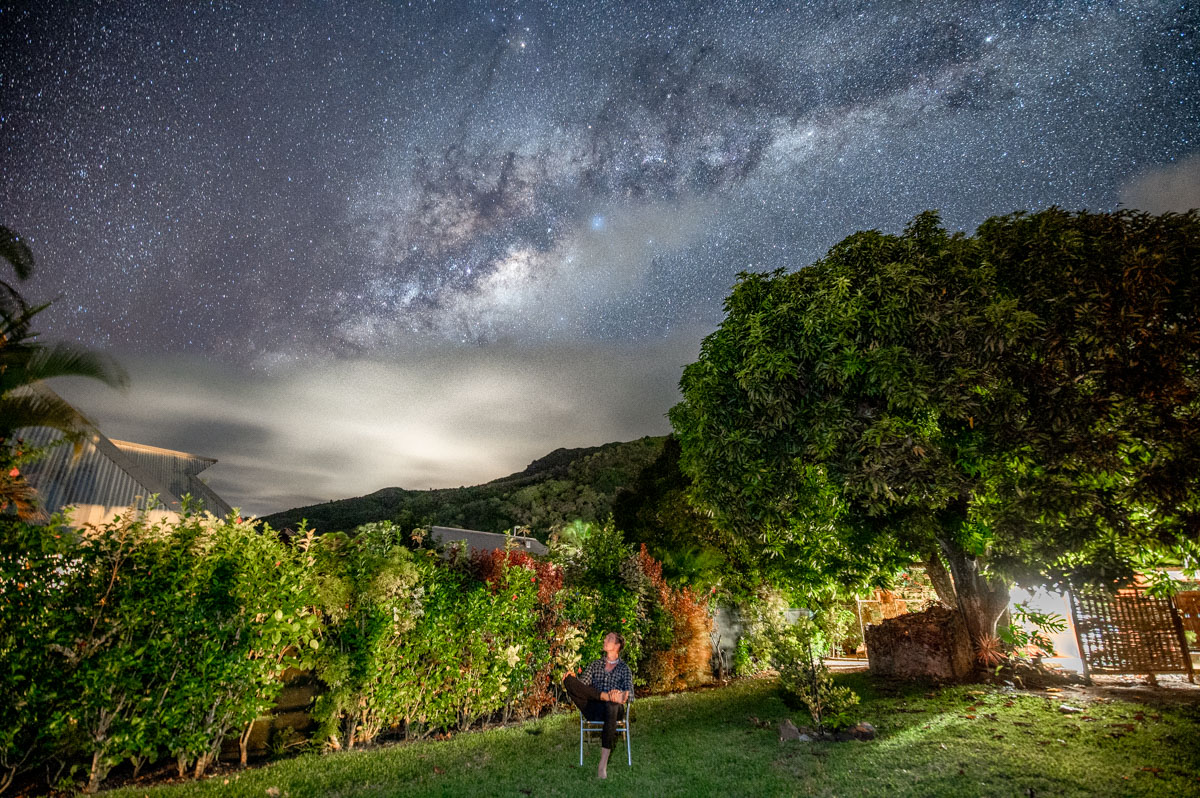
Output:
[[1168, 691]]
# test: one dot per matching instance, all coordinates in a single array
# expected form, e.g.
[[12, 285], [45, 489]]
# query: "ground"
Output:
[[1119, 737]]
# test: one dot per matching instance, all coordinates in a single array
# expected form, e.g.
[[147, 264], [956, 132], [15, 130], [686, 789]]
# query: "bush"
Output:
[[152, 637], [371, 598], [806, 680], [144, 639], [681, 653], [764, 620]]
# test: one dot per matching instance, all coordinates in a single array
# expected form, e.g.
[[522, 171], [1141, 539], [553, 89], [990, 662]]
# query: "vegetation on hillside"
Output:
[[563, 486]]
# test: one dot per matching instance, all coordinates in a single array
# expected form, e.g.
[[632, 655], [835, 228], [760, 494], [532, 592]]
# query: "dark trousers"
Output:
[[587, 698]]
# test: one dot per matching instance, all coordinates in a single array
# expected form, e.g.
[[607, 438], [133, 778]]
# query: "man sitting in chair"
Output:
[[600, 691]]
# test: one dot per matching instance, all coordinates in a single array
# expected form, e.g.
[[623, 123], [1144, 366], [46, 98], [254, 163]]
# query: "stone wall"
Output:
[[933, 644]]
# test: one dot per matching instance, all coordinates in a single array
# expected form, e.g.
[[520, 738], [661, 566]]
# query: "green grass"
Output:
[[704, 743]]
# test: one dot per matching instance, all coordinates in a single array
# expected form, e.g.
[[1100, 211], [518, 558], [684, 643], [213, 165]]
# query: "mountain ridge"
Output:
[[554, 489]]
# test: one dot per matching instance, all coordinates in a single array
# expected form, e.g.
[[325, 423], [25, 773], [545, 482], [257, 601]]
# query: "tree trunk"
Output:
[[96, 775], [981, 600], [244, 743], [935, 569]]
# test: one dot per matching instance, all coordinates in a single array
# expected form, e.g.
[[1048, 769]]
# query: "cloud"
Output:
[[1174, 187], [445, 417]]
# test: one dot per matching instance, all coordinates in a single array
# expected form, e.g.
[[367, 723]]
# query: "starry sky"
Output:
[[348, 245]]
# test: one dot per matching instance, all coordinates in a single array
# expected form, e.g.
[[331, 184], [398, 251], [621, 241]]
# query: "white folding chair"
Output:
[[597, 727]]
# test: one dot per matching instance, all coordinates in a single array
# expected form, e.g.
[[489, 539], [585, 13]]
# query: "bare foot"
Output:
[[603, 773]]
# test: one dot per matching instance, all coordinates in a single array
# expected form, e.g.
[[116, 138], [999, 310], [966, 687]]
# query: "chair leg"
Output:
[[581, 742], [628, 745]]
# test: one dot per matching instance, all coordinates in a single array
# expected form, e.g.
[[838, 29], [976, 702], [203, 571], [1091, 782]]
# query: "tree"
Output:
[[18, 255], [1022, 402], [25, 363]]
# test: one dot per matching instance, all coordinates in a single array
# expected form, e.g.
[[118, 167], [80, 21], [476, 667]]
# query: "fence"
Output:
[[1129, 632]]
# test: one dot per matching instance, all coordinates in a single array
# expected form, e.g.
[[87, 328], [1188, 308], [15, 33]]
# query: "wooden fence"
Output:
[[1129, 632]]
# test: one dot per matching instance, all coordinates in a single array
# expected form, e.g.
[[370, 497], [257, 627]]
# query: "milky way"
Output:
[[262, 187]]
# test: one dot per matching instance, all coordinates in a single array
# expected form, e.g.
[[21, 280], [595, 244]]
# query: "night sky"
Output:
[[347, 245]]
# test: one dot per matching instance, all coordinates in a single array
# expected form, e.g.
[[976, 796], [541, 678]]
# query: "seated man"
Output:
[[600, 691]]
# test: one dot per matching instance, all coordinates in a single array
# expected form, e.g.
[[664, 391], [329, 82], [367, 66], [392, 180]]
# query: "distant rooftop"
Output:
[[485, 541]]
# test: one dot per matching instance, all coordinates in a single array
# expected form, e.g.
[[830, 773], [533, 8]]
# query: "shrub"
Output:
[[371, 598], [31, 622], [681, 653], [551, 642], [764, 620], [806, 680], [155, 637]]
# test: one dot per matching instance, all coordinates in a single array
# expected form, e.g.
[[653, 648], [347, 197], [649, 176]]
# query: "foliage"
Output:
[[16, 253], [804, 677], [681, 657], [839, 626], [156, 636], [142, 638], [31, 558], [1023, 401], [553, 645], [605, 590], [764, 620], [1153, 564], [370, 598], [564, 485], [24, 364], [1028, 630], [655, 511]]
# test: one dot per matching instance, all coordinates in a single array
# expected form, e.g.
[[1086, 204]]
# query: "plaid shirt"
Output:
[[619, 678]]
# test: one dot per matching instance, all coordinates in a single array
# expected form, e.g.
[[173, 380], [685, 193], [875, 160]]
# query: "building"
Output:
[[106, 477], [485, 541]]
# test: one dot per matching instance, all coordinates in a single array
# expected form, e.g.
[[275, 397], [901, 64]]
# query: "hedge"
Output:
[[142, 640]]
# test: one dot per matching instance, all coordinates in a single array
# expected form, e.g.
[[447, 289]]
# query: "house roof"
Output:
[[108, 476], [485, 541]]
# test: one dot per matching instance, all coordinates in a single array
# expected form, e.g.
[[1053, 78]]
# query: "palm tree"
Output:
[[25, 363], [20, 257]]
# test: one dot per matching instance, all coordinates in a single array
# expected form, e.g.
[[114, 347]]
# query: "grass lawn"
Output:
[[957, 741]]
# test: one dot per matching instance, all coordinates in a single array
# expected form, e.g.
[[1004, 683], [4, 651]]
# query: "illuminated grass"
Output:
[[705, 744]]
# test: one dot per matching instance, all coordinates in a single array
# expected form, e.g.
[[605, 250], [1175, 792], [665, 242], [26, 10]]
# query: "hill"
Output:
[[564, 485]]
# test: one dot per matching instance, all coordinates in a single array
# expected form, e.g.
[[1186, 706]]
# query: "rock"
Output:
[[804, 738], [933, 644], [1067, 709], [788, 730], [863, 731]]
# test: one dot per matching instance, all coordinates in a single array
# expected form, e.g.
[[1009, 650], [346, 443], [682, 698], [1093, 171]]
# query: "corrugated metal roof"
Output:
[[115, 475], [485, 541], [61, 478], [178, 471]]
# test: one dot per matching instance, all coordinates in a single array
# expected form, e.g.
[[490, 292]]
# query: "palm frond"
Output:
[[18, 255], [35, 363], [33, 408], [16, 252], [19, 494]]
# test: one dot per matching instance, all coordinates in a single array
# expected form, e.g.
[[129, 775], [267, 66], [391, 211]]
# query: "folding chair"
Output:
[[597, 726]]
